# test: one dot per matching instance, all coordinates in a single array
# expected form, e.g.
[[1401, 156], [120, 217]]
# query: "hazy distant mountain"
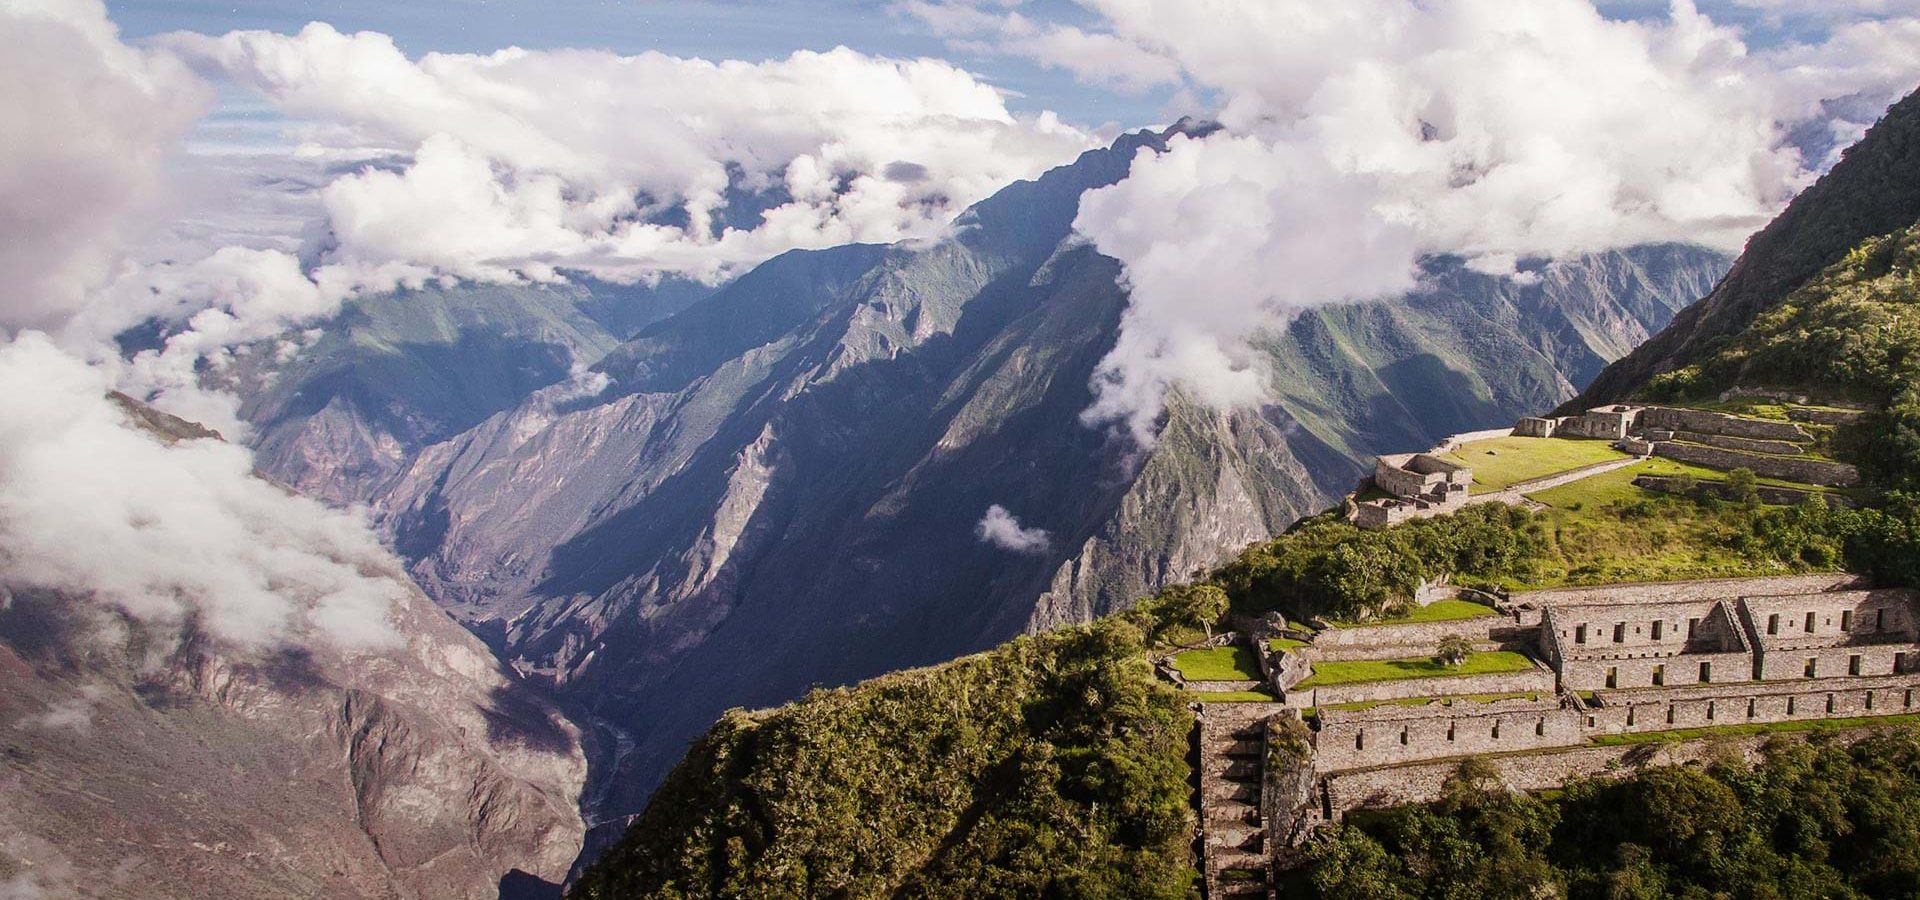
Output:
[[341, 408], [779, 487], [142, 763]]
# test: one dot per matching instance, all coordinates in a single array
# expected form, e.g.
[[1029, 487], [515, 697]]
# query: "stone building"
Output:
[[1770, 449], [1420, 484], [1609, 660]]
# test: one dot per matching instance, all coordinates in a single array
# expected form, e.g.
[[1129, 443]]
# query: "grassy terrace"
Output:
[[1285, 644], [1437, 611], [1688, 734], [1218, 664], [1500, 463], [1231, 697], [1359, 671]]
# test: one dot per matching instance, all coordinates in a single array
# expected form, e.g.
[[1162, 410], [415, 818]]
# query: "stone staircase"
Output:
[[1232, 776]]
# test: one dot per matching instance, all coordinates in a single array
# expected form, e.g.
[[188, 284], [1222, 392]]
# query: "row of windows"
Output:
[[1360, 737], [1854, 666], [1658, 627]]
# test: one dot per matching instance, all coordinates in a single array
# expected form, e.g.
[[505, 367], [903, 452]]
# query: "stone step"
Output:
[[1238, 861], [1232, 811], [1240, 770]]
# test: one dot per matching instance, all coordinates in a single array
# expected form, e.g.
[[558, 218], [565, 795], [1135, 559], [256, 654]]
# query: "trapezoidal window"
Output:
[[1706, 672], [1853, 664], [1659, 675], [1692, 626], [1809, 623], [1773, 624], [1613, 677], [1846, 620], [1659, 629], [1580, 634], [1619, 632], [1813, 666]]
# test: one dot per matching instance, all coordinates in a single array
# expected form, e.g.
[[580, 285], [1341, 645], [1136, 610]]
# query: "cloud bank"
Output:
[[171, 534], [1001, 529], [1361, 137]]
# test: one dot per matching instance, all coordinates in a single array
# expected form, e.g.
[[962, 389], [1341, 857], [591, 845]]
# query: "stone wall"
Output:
[[1402, 640], [1673, 419], [1538, 679], [1373, 788], [1642, 670], [1686, 591], [1394, 735], [1730, 442], [1777, 496], [1825, 416], [1620, 712], [1535, 426], [1805, 471]]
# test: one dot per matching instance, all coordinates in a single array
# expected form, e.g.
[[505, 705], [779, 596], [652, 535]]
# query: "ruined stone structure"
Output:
[[1421, 485], [1611, 660], [1714, 440]]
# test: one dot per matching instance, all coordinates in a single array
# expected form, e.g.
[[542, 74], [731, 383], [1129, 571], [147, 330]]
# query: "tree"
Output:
[[1742, 487], [1454, 650]]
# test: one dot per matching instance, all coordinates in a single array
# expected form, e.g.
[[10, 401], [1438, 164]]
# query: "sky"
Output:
[[236, 172]]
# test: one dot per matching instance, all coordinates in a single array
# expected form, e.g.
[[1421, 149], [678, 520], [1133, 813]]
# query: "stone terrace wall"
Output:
[[1788, 663], [1687, 591], [1805, 471], [1538, 679], [1740, 704], [1394, 735], [1672, 419], [1729, 442], [1397, 786], [1409, 639], [1825, 416], [1777, 496]]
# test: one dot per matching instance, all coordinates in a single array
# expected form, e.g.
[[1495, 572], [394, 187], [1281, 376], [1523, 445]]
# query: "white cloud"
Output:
[[1362, 136], [73, 714], [1001, 529], [86, 126], [1094, 57], [524, 162], [171, 533]]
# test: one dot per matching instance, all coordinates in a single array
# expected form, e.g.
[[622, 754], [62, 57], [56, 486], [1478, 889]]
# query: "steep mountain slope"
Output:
[[1872, 191], [341, 408], [146, 760], [780, 486]]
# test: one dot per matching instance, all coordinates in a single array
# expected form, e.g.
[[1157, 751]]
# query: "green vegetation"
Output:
[[1053, 766], [1231, 697], [1437, 611], [1742, 730], [1500, 463], [1850, 333], [1283, 643], [1810, 819], [1218, 664], [1356, 671]]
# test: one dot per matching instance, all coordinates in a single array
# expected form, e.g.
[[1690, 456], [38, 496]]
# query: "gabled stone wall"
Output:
[[1395, 735], [1676, 419]]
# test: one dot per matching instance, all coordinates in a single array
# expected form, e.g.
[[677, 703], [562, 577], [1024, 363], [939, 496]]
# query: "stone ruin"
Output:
[[1607, 661], [1721, 441], [1421, 485]]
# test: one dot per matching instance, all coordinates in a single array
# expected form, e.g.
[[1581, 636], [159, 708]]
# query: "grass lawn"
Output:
[[1437, 611], [1356, 671], [1499, 463], [1218, 664], [1285, 644], [1687, 734], [1231, 697]]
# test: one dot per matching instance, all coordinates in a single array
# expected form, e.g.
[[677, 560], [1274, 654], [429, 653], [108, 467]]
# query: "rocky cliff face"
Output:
[[147, 760], [780, 486]]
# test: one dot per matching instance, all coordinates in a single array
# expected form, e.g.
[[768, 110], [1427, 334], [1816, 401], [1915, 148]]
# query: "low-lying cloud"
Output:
[[173, 534], [1002, 529], [1360, 137]]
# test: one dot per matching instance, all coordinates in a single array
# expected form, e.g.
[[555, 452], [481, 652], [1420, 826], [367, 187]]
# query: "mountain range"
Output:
[[780, 485]]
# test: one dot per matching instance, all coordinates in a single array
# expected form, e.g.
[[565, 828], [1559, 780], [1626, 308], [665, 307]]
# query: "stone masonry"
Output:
[[1770, 449], [1609, 660], [1421, 484]]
